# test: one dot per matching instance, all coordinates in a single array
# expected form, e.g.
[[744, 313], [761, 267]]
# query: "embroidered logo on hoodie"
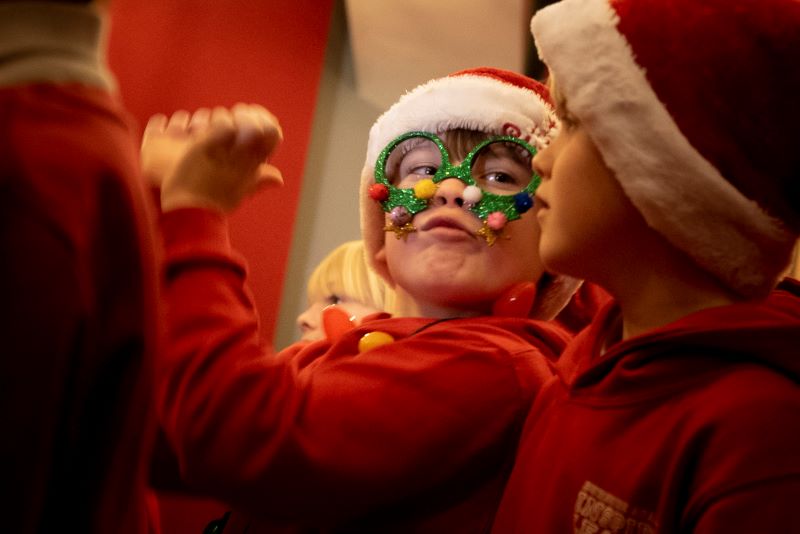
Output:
[[599, 512]]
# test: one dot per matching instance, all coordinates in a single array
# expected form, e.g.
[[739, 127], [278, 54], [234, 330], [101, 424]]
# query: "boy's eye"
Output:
[[502, 168], [333, 299], [501, 178], [412, 160], [409, 177], [502, 183], [424, 170]]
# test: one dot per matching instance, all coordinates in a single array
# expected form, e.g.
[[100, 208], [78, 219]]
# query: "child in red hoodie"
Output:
[[404, 424], [674, 185], [78, 281]]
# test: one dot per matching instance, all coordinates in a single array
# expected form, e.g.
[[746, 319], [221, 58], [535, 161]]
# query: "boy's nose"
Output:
[[450, 192], [303, 324], [305, 321], [542, 162]]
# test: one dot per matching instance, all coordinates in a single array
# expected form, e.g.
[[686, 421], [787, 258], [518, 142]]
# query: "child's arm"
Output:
[[213, 158], [320, 433]]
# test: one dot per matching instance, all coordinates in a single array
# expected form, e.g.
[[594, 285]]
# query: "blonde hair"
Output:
[[560, 102], [344, 273]]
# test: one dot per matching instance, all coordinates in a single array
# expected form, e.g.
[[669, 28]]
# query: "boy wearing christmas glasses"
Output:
[[404, 424]]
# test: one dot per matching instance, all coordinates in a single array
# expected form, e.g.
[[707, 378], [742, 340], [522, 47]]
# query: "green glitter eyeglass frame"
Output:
[[512, 206]]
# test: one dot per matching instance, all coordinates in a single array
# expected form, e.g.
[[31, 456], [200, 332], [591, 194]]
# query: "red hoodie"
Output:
[[692, 427], [415, 436], [80, 310]]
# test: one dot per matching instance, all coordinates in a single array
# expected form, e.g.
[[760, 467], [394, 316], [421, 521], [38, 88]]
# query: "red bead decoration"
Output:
[[378, 192], [335, 322]]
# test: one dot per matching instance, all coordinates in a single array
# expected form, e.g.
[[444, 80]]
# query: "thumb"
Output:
[[268, 177]]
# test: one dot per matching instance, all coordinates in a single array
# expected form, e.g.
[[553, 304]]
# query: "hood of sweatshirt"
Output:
[[764, 333]]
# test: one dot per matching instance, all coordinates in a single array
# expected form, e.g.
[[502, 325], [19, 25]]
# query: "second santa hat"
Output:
[[693, 106]]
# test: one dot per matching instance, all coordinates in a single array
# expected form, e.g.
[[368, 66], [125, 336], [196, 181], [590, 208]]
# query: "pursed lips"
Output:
[[446, 222]]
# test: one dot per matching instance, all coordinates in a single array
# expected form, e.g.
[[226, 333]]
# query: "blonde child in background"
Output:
[[673, 185], [343, 280], [404, 424]]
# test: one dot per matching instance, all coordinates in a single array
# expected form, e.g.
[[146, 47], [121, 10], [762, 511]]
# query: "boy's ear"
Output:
[[380, 256], [380, 264]]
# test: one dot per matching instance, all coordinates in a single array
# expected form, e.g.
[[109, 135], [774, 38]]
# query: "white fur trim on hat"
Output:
[[680, 194], [468, 101]]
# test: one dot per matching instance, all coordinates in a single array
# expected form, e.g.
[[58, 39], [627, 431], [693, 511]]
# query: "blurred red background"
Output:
[[185, 54]]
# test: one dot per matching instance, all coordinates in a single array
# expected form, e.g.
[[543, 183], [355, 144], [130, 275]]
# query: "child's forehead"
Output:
[[456, 138], [459, 143]]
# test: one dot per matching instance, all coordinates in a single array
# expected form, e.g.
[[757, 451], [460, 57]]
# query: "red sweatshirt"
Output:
[[414, 436], [692, 427], [78, 293]]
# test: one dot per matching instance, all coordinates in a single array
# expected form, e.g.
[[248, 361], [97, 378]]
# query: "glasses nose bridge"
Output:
[[455, 171]]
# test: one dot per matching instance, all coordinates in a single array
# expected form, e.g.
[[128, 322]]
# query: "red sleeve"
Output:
[[79, 299], [326, 432]]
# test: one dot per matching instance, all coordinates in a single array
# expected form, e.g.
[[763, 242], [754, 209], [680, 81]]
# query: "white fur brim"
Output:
[[679, 193], [466, 101]]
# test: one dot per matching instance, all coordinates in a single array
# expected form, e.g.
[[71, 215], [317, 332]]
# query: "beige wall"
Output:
[[328, 209]]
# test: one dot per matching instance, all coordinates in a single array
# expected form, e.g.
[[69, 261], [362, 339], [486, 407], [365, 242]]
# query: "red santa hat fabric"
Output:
[[693, 106]]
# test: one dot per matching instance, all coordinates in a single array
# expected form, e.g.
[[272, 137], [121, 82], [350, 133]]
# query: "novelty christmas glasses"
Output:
[[497, 173]]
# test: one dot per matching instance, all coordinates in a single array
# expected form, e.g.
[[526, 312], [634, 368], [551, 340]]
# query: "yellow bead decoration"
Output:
[[425, 189], [374, 339]]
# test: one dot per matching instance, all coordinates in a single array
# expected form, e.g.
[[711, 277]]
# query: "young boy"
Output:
[[403, 424], [673, 185], [77, 280]]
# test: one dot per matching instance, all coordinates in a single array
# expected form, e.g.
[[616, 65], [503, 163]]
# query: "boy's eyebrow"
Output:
[[514, 152], [409, 144]]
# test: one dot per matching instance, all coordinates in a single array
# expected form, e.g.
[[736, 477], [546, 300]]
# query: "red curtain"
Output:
[[185, 54]]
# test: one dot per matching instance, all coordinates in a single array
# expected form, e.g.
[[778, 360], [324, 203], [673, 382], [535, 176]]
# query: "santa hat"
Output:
[[693, 106], [483, 99]]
